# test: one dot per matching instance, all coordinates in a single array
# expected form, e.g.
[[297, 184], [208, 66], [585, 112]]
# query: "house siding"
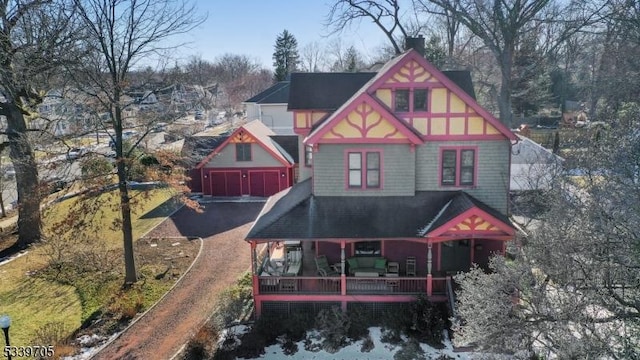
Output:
[[398, 170], [227, 158], [277, 118], [492, 183], [305, 171]]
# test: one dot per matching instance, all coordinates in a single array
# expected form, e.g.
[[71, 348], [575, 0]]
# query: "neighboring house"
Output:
[[533, 167], [245, 162], [62, 113], [270, 107], [407, 183]]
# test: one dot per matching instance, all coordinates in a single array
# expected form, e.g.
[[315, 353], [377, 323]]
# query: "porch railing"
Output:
[[354, 285]]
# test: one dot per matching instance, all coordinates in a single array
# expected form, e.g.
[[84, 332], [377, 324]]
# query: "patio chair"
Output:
[[324, 269]]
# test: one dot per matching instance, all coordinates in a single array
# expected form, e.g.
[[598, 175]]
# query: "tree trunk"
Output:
[[21, 154], [130, 276], [504, 99]]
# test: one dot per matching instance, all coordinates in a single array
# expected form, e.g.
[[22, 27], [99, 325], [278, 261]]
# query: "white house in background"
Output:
[[533, 167], [270, 107]]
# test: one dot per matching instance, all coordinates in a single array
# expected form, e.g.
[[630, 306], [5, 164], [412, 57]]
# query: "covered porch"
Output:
[[369, 249], [413, 267]]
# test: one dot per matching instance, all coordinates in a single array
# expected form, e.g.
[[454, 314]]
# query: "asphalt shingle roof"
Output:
[[276, 94], [324, 91], [296, 214], [289, 143]]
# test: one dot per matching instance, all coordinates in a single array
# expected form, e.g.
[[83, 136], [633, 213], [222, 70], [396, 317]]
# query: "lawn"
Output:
[[46, 305]]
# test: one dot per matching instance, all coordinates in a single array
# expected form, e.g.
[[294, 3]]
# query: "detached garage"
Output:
[[248, 162]]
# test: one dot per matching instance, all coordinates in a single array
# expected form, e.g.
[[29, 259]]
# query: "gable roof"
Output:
[[324, 91], [362, 97], [296, 214], [399, 61], [262, 134], [462, 78], [276, 94], [289, 143], [195, 147], [458, 205]]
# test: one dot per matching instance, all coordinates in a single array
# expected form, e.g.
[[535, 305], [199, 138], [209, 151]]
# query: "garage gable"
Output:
[[248, 146]]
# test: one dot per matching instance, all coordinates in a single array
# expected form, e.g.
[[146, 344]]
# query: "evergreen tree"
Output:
[[285, 56]]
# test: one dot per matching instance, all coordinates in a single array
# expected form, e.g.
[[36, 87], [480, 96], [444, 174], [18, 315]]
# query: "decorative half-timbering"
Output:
[[405, 183]]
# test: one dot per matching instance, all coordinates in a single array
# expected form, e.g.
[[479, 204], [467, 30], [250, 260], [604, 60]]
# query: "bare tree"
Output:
[[571, 289], [120, 34], [311, 57], [239, 78], [199, 71], [36, 38], [385, 15], [500, 25]]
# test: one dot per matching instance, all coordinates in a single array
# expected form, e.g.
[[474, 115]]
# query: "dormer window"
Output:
[[408, 100], [420, 100], [402, 100]]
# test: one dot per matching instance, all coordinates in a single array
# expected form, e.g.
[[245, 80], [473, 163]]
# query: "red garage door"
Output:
[[225, 183], [264, 183]]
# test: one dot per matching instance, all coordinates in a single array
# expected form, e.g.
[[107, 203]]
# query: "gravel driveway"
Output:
[[225, 256]]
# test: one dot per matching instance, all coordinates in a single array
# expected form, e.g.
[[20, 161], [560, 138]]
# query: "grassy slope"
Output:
[[33, 302]]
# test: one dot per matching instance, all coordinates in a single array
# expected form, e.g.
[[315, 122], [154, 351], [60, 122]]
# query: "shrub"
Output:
[[428, 322], [360, 319], [367, 344], [127, 304], [200, 346], [234, 304], [411, 350], [56, 334], [333, 326]]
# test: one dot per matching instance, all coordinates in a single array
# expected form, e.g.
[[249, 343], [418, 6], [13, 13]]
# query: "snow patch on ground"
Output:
[[381, 350], [91, 345]]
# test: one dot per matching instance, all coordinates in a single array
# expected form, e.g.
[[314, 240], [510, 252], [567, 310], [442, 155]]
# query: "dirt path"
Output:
[[225, 256]]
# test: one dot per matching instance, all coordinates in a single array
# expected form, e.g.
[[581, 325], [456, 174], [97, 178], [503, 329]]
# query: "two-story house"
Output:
[[405, 182]]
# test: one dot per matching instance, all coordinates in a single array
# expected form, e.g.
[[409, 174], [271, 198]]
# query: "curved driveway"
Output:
[[225, 256]]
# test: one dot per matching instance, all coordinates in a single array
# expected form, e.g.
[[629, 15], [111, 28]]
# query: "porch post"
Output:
[[254, 273], [473, 252], [254, 258], [429, 264], [343, 276]]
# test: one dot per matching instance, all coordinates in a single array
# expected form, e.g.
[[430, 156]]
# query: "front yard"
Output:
[[76, 276]]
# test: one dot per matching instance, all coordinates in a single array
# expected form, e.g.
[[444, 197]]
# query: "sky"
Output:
[[250, 27]]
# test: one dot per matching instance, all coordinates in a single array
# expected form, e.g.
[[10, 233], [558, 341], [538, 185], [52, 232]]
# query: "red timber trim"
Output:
[[341, 114], [308, 120], [435, 73], [231, 140], [459, 150], [363, 168], [336, 298], [503, 232], [462, 137]]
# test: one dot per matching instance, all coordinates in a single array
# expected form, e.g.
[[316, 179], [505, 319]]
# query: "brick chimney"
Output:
[[416, 43]]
